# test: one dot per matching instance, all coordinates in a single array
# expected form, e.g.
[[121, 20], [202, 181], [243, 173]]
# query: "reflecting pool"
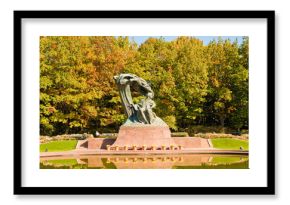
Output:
[[190, 161]]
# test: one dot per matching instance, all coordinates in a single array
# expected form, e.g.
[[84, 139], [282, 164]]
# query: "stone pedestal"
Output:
[[144, 135]]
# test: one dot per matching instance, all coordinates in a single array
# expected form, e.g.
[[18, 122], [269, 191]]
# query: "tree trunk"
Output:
[[222, 121]]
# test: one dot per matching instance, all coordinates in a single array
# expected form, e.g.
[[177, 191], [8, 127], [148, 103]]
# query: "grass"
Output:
[[108, 165], [241, 165], [231, 144], [227, 160], [56, 146], [63, 162]]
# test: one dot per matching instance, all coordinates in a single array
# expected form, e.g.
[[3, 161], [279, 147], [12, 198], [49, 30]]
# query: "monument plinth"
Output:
[[143, 129], [146, 135]]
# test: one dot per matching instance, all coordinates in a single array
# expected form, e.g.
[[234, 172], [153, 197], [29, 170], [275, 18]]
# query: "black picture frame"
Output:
[[19, 189]]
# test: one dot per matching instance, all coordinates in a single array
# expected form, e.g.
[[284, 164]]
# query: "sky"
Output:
[[206, 39]]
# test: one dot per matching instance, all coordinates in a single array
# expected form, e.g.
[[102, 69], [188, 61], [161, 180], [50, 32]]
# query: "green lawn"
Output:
[[241, 165], [229, 143], [64, 162], [56, 146], [228, 160]]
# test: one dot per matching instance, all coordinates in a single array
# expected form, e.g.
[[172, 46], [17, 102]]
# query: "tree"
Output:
[[76, 86], [239, 118], [154, 63], [228, 82], [191, 79]]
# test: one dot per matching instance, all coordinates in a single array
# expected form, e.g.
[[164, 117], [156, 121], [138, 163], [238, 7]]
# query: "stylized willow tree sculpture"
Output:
[[141, 112]]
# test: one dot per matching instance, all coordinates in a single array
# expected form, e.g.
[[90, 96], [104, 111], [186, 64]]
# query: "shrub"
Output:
[[108, 135], [200, 129], [179, 134], [221, 135], [46, 139]]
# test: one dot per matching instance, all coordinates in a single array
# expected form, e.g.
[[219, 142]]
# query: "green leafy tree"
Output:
[[239, 118], [228, 82], [191, 79]]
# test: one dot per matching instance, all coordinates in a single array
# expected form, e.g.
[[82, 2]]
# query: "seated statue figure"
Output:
[[144, 109]]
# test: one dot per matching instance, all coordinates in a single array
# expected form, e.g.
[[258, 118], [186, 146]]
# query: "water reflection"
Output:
[[147, 162]]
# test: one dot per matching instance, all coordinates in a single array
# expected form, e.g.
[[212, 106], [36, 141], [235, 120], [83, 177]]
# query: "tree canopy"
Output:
[[194, 84]]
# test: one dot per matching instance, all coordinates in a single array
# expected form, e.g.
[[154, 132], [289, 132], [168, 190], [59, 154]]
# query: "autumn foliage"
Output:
[[194, 84]]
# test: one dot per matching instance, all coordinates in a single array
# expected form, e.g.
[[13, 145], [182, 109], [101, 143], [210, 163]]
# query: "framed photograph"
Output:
[[144, 102]]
